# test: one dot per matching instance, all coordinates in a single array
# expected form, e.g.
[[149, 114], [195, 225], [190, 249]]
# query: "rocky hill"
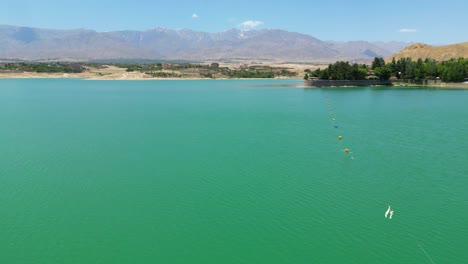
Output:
[[25, 43], [439, 53]]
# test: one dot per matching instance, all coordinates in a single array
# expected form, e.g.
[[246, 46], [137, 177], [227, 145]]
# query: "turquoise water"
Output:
[[230, 172]]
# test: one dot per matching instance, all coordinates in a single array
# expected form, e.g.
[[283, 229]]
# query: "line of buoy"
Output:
[[330, 108], [389, 212]]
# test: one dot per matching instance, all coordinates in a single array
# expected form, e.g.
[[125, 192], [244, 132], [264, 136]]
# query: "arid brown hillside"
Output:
[[439, 53]]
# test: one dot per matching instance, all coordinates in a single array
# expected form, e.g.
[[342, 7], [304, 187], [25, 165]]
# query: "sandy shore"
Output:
[[91, 73], [116, 73]]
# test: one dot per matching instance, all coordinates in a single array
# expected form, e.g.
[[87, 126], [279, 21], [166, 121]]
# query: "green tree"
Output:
[[378, 62], [342, 70], [401, 68], [419, 70], [358, 73], [306, 76], [409, 68], [316, 73], [431, 68], [325, 74], [394, 66], [454, 70], [383, 72]]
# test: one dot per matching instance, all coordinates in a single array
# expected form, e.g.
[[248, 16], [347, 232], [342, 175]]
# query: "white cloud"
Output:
[[195, 15], [251, 24], [407, 30]]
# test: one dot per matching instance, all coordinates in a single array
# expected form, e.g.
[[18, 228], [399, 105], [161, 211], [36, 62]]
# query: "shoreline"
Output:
[[113, 72], [89, 77], [377, 83], [125, 72], [75, 76], [459, 86]]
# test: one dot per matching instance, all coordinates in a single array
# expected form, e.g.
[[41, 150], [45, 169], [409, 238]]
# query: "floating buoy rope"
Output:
[[390, 211], [335, 125]]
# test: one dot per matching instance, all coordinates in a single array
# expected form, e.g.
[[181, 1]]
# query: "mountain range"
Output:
[[27, 43]]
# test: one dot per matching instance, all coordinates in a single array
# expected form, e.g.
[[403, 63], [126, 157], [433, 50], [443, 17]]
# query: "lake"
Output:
[[231, 171]]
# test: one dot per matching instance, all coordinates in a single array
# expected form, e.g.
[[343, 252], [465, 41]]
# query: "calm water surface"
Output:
[[230, 172]]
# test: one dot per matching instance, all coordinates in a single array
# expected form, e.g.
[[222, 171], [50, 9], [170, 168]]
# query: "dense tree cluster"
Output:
[[155, 70], [250, 74], [44, 67], [164, 74], [342, 71], [140, 67], [454, 70]]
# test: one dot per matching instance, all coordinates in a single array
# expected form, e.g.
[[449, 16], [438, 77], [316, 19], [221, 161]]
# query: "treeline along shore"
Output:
[[144, 70], [404, 70]]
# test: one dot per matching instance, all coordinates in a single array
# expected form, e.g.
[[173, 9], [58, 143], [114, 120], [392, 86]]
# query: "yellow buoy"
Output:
[[340, 137], [346, 150]]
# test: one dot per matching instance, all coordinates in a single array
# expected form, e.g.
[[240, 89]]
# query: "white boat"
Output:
[[388, 211]]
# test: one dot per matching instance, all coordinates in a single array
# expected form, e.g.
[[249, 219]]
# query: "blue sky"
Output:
[[429, 21]]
